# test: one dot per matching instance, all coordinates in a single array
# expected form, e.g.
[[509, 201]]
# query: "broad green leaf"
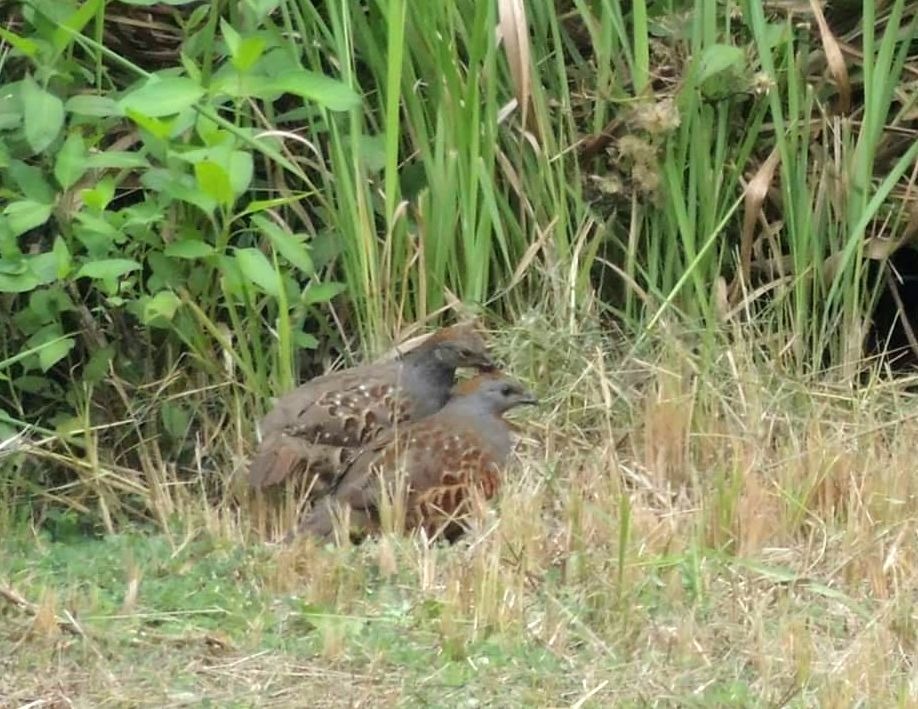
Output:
[[107, 268], [158, 129], [237, 164], [31, 182], [49, 303], [74, 24], [43, 115], [54, 351], [18, 282], [322, 292], [117, 159], [214, 181], [241, 169], [44, 266], [230, 36], [147, 3], [717, 58], [249, 53], [176, 419], [99, 196], [258, 270], [324, 90], [62, 256], [98, 224], [167, 273], [90, 105], [231, 278], [23, 215], [10, 106], [161, 306], [162, 97], [305, 340], [328, 92], [70, 164], [97, 367], [189, 249], [290, 246], [177, 187]]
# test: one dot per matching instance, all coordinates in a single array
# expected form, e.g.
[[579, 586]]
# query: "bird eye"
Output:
[[506, 390]]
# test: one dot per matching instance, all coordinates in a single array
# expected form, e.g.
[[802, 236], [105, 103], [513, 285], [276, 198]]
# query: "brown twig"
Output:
[[13, 597]]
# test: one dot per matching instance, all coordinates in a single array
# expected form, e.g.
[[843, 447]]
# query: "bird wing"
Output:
[[321, 428]]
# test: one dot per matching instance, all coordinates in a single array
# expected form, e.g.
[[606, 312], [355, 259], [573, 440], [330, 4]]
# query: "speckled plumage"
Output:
[[314, 431], [448, 459]]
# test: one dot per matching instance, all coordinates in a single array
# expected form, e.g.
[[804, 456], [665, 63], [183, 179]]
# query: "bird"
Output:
[[445, 461], [314, 430]]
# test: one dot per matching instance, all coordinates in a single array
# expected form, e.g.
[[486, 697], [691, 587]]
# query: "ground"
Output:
[[668, 537]]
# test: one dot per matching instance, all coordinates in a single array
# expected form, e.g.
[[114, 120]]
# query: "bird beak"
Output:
[[528, 399], [486, 364]]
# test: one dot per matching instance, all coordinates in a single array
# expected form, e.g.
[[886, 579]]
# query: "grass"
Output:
[[712, 507], [668, 536]]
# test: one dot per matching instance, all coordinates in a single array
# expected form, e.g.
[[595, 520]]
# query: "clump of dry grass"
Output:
[[673, 531]]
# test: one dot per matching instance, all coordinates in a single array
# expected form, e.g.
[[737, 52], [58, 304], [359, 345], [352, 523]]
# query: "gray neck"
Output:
[[428, 379], [488, 424]]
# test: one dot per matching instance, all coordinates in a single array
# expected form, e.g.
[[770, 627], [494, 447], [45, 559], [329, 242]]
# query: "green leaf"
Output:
[[43, 115], [89, 105], [97, 367], [44, 266], [24, 215], [70, 164], [62, 256], [305, 341], [324, 90], [718, 58], [54, 351], [18, 282], [258, 270], [10, 106], [158, 129], [31, 182], [162, 97], [74, 24], [214, 181], [176, 187], [290, 246], [322, 292], [23, 44], [189, 249], [241, 169], [331, 93], [230, 36], [161, 307], [48, 303], [249, 53], [147, 3], [244, 51], [99, 196], [117, 159], [109, 268], [176, 419]]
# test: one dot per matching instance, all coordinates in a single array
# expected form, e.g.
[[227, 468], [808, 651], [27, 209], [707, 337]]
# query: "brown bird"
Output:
[[446, 460], [314, 430]]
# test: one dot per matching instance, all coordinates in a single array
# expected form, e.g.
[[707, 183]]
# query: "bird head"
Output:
[[495, 392], [459, 346]]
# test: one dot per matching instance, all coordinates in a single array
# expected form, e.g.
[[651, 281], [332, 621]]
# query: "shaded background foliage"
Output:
[[203, 203]]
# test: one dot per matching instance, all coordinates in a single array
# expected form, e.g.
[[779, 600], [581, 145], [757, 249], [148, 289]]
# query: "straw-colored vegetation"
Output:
[[674, 218]]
